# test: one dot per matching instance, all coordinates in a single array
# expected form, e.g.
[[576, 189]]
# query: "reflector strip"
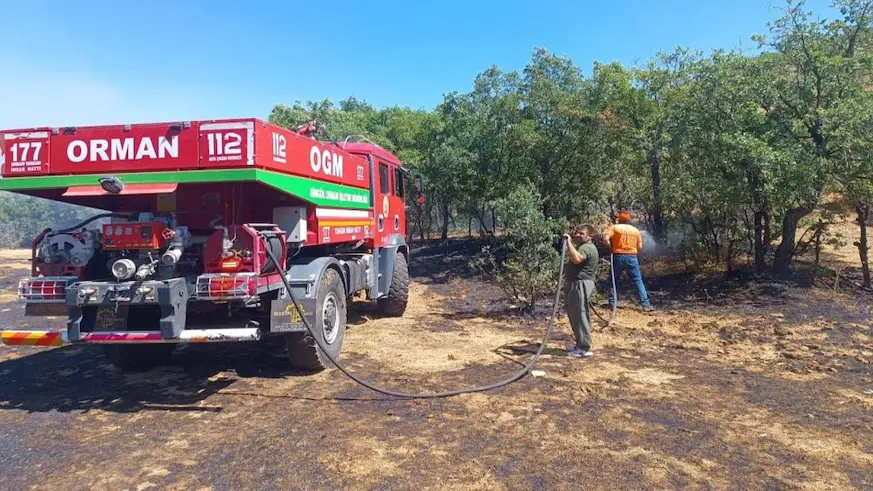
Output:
[[27, 134], [59, 338], [122, 337], [32, 338], [341, 213], [344, 223], [187, 336]]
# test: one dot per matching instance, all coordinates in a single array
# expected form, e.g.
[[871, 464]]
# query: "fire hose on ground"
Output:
[[614, 295], [517, 376]]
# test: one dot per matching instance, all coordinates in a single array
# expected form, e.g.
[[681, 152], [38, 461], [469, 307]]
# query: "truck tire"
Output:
[[138, 357], [330, 326], [394, 304]]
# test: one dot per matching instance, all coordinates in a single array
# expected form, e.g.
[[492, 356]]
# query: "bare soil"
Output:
[[746, 384]]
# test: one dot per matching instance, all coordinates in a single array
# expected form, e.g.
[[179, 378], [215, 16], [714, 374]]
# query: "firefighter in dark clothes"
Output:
[[582, 259]]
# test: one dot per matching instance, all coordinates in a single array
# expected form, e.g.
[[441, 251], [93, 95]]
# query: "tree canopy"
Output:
[[724, 155]]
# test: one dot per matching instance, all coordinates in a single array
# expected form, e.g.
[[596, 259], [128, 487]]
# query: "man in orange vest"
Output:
[[626, 243]]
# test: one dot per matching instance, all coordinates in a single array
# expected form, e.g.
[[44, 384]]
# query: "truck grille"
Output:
[[226, 286], [44, 289]]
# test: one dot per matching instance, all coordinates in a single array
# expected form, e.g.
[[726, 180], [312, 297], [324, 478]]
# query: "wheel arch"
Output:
[[315, 268]]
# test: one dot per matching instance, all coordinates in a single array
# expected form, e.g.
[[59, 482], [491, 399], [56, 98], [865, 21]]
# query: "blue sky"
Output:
[[95, 62]]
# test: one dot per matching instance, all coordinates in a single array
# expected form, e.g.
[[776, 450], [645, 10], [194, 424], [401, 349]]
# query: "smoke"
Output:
[[650, 245]]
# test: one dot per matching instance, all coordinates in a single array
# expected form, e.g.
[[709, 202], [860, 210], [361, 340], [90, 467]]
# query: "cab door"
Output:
[[383, 202], [390, 205], [397, 201]]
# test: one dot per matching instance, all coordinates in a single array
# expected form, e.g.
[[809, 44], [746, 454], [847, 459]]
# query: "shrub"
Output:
[[523, 260]]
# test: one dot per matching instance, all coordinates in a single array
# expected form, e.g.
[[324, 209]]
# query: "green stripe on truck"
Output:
[[317, 192]]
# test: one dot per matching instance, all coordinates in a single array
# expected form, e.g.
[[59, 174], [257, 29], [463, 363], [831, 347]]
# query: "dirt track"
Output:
[[727, 386]]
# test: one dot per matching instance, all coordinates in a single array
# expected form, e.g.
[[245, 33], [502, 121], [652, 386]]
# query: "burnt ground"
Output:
[[730, 384]]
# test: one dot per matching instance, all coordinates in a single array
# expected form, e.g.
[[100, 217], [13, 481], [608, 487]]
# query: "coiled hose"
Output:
[[521, 373]]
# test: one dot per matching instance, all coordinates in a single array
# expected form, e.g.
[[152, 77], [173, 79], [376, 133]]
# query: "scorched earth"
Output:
[[728, 385]]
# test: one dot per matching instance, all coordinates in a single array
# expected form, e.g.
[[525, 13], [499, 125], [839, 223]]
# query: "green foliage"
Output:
[[24, 217], [523, 261], [722, 156]]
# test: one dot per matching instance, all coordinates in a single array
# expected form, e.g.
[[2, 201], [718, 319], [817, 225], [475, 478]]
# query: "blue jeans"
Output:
[[631, 265]]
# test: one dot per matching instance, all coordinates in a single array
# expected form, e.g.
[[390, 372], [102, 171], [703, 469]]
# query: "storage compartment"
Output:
[[291, 219]]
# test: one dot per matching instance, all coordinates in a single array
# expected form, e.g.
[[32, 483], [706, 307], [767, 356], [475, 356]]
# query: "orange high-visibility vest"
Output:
[[624, 239]]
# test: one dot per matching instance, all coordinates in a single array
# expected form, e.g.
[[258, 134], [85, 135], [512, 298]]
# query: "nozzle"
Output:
[[172, 256], [123, 269], [145, 271]]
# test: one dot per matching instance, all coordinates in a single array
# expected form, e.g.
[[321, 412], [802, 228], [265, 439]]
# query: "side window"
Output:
[[383, 178], [399, 183]]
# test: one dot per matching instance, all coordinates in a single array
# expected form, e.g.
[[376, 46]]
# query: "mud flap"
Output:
[[284, 316], [304, 278]]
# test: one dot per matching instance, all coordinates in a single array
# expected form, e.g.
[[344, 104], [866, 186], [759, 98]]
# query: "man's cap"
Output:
[[624, 216]]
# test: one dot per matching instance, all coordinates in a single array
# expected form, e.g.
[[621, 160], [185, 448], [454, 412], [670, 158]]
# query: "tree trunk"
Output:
[[760, 251], [863, 210], [428, 214], [730, 258], [421, 228], [655, 167], [419, 224], [762, 215], [445, 223], [785, 251], [483, 229], [470, 227], [493, 220], [819, 231], [750, 225]]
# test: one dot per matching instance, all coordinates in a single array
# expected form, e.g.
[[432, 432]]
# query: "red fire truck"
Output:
[[191, 209]]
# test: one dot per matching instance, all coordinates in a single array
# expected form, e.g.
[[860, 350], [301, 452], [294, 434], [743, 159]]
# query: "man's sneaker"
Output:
[[577, 353], [649, 309]]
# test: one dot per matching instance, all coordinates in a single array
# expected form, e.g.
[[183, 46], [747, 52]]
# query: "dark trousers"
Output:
[[577, 300], [622, 263]]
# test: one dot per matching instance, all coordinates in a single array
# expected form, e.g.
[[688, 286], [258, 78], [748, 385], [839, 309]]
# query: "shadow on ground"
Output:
[[78, 378]]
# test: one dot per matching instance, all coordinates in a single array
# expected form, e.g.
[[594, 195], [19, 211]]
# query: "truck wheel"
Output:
[[394, 304], [330, 327], [138, 357]]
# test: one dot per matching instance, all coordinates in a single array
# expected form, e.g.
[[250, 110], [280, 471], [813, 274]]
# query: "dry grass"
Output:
[[773, 389]]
